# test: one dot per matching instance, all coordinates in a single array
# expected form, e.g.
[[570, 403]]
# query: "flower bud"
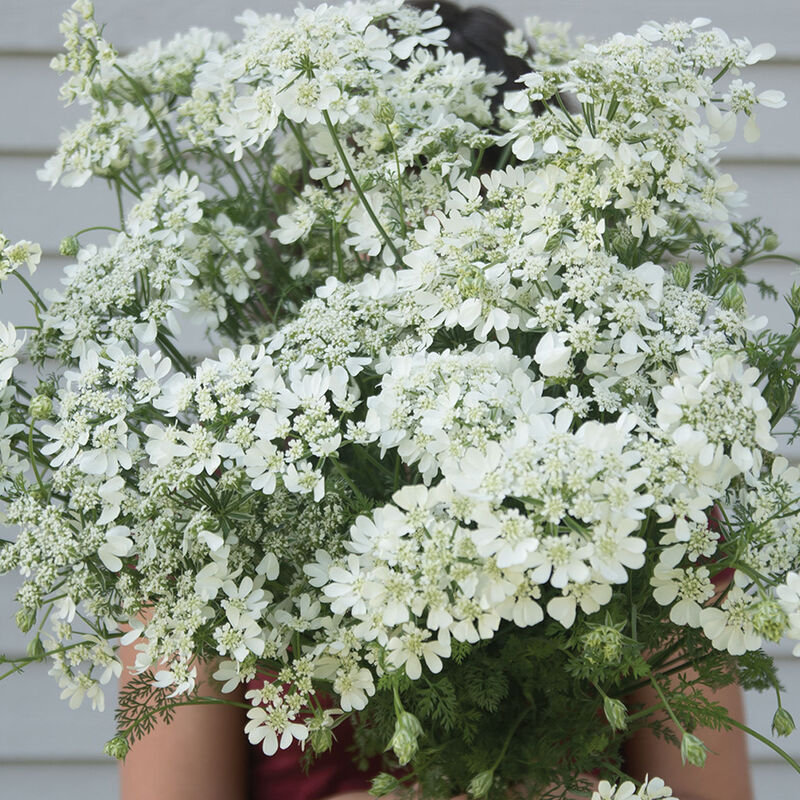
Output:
[[782, 723], [384, 113], [406, 732], [383, 784], [479, 786], [603, 645], [771, 242], [793, 298], [321, 740], [732, 298], [41, 407], [281, 176], [616, 713], [25, 618], [682, 274], [117, 747], [693, 750], [69, 246], [35, 649], [770, 620]]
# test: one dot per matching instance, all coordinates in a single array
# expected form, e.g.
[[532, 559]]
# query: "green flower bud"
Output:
[[598, 743], [321, 740], [25, 618], [770, 620], [693, 750], [616, 713], [383, 784], [69, 246], [117, 747], [41, 407], [603, 645], [793, 298], [407, 731], [782, 723], [47, 388], [682, 274], [479, 786], [771, 242], [384, 113], [471, 282], [281, 176], [732, 298], [35, 649]]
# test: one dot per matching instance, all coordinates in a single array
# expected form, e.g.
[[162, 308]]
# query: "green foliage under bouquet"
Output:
[[483, 414]]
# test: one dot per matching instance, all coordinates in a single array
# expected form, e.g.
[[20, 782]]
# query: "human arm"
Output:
[[201, 755], [725, 776]]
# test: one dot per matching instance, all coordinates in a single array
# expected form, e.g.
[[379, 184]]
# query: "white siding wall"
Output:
[[48, 751]]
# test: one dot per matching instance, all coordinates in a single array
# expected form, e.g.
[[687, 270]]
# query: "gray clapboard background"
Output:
[[48, 751]]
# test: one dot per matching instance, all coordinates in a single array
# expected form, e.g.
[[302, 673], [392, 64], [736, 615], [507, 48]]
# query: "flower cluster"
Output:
[[457, 423]]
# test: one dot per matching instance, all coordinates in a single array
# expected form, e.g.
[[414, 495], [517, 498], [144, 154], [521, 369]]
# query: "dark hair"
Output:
[[480, 33]]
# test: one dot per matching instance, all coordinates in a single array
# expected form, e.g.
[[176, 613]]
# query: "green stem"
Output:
[[359, 191], [34, 293], [32, 455], [665, 702], [768, 742], [509, 738]]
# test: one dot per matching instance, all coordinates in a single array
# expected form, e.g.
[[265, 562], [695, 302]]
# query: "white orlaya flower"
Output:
[[305, 480], [246, 601], [117, 544], [318, 571], [655, 789], [474, 621], [561, 560], [163, 444], [232, 675], [112, 493], [305, 99], [381, 535], [263, 462], [155, 367], [590, 597], [729, 627], [553, 354], [505, 534], [692, 587], [178, 676], [607, 791], [264, 729], [412, 645], [111, 452], [354, 686], [175, 395], [349, 588], [616, 551]]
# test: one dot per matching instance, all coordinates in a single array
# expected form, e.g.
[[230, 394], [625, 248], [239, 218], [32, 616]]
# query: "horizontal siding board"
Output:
[[33, 113], [32, 25], [29, 97], [30, 209], [42, 781], [46, 725], [775, 782], [12, 640]]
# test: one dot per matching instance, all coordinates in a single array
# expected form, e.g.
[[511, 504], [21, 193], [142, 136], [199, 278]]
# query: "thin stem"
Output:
[[34, 293], [768, 742], [359, 191]]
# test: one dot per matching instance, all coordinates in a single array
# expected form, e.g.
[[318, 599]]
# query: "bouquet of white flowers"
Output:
[[473, 444]]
